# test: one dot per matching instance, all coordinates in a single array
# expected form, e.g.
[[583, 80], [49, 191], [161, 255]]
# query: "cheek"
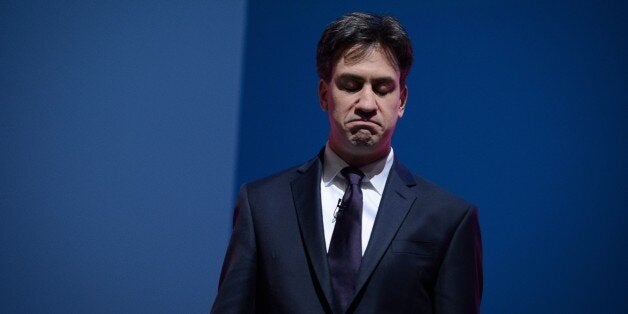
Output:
[[342, 101], [338, 117], [393, 113]]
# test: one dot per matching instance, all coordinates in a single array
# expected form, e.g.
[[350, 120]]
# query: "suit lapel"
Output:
[[396, 201], [307, 199]]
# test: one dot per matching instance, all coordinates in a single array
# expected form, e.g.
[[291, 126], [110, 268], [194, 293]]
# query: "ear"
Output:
[[323, 89], [403, 97]]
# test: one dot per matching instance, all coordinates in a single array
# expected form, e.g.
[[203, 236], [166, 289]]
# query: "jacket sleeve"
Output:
[[459, 285], [236, 288]]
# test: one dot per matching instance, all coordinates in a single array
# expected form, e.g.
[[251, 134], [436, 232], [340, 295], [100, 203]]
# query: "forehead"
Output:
[[373, 60]]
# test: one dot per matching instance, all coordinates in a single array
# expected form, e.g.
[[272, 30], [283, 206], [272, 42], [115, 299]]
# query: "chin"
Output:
[[363, 142], [364, 138]]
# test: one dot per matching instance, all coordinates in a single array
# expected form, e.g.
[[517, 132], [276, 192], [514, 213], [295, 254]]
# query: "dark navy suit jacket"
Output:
[[424, 254]]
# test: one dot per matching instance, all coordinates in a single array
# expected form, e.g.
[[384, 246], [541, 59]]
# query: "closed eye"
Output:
[[350, 83], [384, 87], [351, 86]]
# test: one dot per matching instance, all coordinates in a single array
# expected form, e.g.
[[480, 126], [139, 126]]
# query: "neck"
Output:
[[360, 158]]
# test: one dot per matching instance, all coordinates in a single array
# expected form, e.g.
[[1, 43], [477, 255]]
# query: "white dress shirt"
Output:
[[333, 187]]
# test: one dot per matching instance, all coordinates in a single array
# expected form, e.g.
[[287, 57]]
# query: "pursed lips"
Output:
[[357, 124], [363, 121]]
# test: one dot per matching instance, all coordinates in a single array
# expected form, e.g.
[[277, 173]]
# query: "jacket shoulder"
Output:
[[434, 193]]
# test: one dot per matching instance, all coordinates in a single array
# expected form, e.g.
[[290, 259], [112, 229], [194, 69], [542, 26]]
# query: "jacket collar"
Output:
[[394, 206]]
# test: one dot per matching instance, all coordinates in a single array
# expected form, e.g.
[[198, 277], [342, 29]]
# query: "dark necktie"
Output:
[[345, 250]]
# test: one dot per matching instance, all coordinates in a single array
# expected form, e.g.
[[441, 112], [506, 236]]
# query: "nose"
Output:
[[366, 105]]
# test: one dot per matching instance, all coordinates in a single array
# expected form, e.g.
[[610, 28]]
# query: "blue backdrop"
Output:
[[127, 128], [520, 108], [119, 125]]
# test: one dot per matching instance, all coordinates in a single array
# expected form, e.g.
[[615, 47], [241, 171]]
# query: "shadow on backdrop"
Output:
[[520, 108]]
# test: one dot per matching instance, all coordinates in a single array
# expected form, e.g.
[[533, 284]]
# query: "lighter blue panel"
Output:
[[118, 124]]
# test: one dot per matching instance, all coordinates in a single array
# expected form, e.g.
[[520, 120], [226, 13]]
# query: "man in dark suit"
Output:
[[352, 230]]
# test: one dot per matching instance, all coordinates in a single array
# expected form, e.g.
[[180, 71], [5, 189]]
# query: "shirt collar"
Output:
[[375, 173]]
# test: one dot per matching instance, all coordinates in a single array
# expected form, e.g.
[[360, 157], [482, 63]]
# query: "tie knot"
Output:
[[353, 175]]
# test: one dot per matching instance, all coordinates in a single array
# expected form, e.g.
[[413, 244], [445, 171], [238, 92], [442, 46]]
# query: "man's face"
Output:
[[363, 100]]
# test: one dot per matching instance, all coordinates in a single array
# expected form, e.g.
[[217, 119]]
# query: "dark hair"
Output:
[[364, 32]]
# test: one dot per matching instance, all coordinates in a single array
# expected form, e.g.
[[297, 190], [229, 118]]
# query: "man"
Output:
[[353, 230]]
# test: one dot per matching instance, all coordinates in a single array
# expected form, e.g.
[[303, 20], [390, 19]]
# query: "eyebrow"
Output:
[[349, 76], [379, 80], [383, 80]]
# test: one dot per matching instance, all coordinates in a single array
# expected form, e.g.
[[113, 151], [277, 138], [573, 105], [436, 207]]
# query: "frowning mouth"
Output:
[[356, 125], [361, 122]]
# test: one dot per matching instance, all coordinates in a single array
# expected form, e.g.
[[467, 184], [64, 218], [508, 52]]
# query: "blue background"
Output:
[[127, 128]]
